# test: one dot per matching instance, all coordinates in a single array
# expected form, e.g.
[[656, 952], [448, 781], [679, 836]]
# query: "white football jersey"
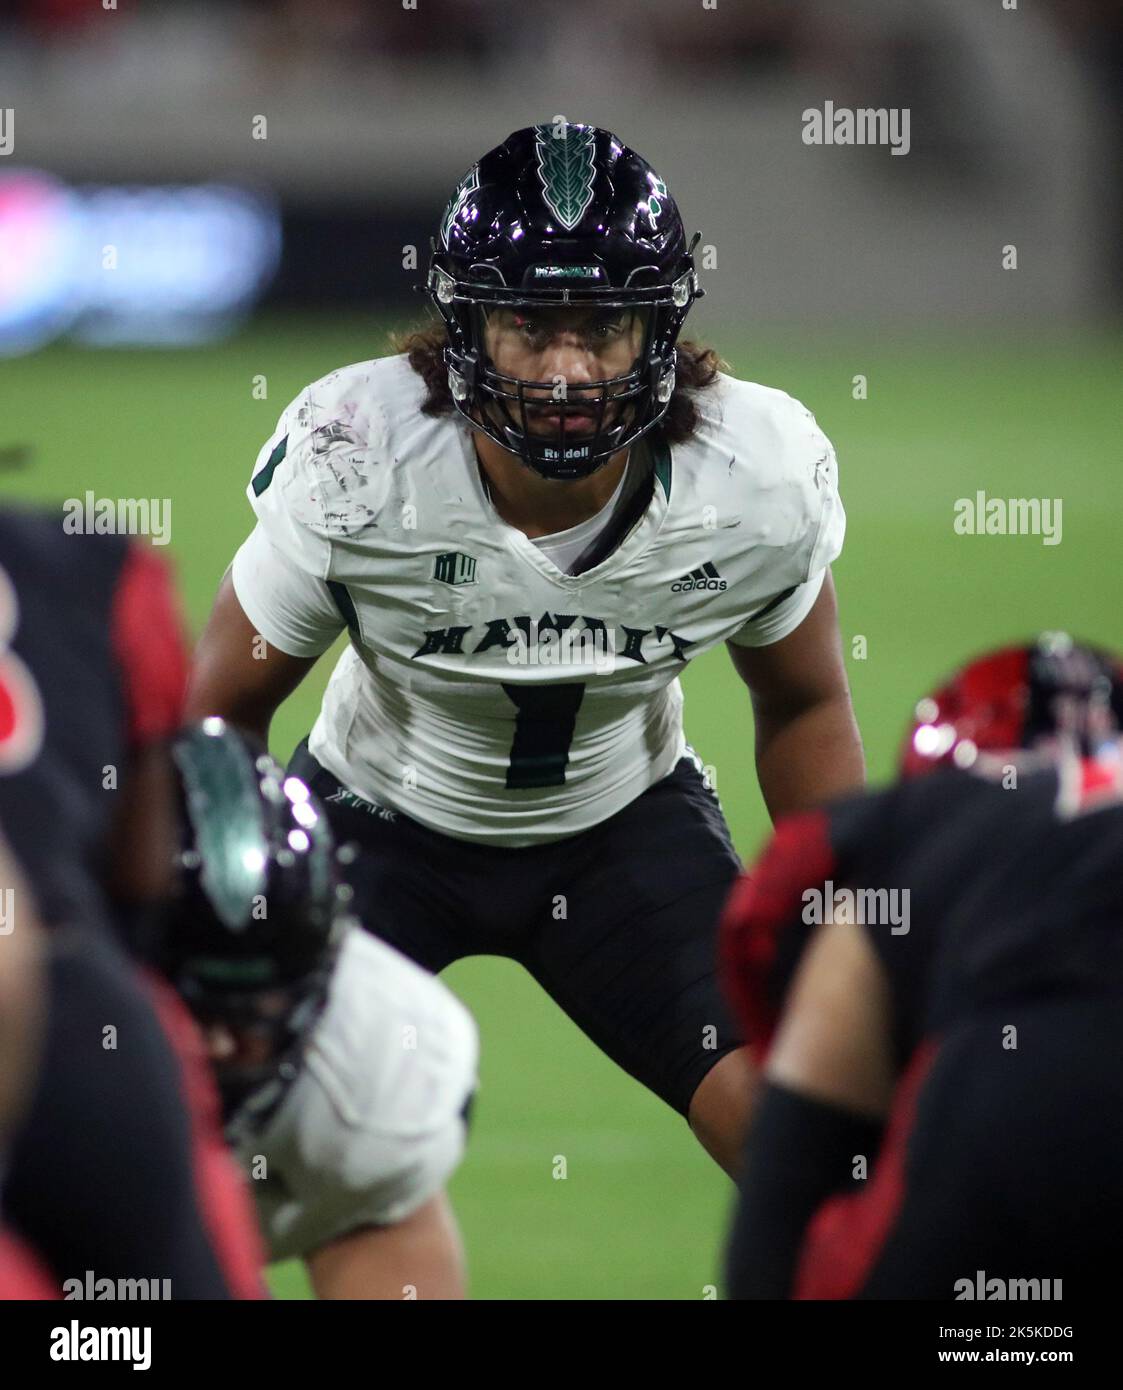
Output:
[[486, 693], [374, 1125]]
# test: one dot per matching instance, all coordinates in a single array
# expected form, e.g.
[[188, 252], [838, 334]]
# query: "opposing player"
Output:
[[22, 989], [116, 1166], [528, 523], [346, 1071], [932, 977]]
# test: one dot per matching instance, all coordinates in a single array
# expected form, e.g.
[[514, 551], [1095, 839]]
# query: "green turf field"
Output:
[[640, 1213]]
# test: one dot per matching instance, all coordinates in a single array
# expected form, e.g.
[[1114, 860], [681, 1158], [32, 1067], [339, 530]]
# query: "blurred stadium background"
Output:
[[173, 271]]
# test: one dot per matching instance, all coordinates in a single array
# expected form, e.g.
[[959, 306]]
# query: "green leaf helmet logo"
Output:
[[228, 822], [467, 185], [567, 168]]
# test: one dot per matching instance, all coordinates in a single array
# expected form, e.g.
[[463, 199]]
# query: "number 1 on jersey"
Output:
[[543, 732]]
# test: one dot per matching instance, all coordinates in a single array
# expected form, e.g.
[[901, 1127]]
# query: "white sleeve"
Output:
[[291, 608], [375, 1123], [772, 623], [395, 1059]]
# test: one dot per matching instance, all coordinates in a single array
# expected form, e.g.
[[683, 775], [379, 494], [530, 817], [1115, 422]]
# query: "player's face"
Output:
[[564, 348], [244, 1047]]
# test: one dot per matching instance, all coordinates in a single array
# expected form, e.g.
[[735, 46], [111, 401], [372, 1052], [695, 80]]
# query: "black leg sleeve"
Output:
[[799, 1152]]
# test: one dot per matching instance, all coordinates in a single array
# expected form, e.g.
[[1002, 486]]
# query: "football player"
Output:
[[528, 523], [21, 994], [941, 1092], [345, 1070], [22, 981], [117, 1165]]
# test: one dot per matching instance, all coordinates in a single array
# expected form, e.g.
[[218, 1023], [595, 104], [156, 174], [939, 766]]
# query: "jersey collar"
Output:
[[640, 530]]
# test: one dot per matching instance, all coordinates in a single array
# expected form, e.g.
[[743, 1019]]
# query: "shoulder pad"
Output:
[[784, 467], [323, 474]]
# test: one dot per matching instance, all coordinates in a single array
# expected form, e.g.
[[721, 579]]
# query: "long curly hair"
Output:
[[696, 368]]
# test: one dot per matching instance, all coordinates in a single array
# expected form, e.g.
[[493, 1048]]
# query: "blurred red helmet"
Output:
[[1053, 696]]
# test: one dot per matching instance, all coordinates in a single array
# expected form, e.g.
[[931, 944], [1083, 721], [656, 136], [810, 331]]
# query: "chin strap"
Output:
[[634, 502]]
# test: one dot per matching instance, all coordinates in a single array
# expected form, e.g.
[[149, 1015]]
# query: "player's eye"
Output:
[[606, 329]]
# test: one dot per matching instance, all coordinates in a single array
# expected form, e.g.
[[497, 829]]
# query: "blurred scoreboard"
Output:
[[130, 265]]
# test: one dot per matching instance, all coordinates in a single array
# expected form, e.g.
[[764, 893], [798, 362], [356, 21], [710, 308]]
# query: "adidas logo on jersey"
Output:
[[705, 577]]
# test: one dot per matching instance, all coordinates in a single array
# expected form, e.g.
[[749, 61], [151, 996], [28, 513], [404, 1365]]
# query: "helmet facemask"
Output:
[[560, 428], [268, 1026]]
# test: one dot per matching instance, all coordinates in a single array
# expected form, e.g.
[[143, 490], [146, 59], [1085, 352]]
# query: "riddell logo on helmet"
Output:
[[577, 454], [705, 577]]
